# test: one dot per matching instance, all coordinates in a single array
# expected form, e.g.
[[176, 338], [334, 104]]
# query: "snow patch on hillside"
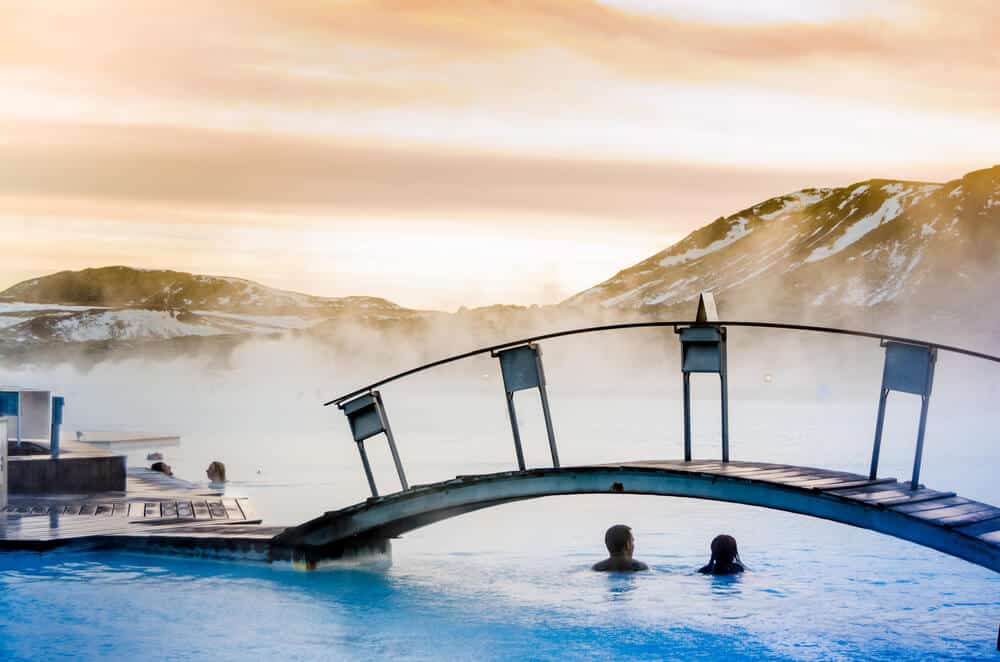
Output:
[[19, 306], [128, 324], [797, 201], [854, 193], [624, 296], [266, 321], [674, 290], [889, 210], [737, 231]]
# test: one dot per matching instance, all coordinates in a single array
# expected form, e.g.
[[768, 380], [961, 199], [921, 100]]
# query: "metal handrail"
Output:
[[675, 325]]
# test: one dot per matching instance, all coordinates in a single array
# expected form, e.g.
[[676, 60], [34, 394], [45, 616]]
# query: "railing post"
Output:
[[514, 429], [908, 368], [367, 418], [391, 439], [703, 349], [687, 416], [548, 425], [879, 423], [368, 468], [724, 397], [925, 403], [521, 368]]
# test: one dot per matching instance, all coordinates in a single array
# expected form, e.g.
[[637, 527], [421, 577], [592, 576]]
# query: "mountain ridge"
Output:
[[878, 253], [870, 243]]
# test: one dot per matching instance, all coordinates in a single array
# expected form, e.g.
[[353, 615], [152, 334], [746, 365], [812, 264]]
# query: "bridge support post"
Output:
[[367, 418], [879, 424], [687, 416], [521, 368], [392, 443], [549, 432], [908, 368], [368, 468], [724, 399], [703, 349], [919, 453], [514, 429]]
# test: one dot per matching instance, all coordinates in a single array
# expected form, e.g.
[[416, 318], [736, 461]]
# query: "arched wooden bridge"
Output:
[[941, 520]]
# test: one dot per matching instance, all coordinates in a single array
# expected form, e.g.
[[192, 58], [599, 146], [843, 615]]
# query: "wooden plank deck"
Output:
[[945, 509], [155, 511]]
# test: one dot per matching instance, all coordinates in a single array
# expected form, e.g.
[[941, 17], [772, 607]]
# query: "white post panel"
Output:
[[35, 414]]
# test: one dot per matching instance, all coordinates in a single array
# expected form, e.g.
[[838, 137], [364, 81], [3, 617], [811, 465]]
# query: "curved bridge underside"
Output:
[[943, 521]]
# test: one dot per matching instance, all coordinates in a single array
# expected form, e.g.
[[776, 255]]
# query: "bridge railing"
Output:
[[908, 367]]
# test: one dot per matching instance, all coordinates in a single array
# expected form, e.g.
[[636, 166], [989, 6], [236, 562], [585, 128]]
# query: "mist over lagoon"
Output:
[[548, 330]]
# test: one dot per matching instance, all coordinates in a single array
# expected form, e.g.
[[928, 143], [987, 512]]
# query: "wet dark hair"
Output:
[[724, 549], [162, 467], [220, 470], [617, 538]]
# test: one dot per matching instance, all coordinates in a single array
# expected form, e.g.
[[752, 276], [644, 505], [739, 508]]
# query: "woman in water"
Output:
[[725, 557], [216, 473]]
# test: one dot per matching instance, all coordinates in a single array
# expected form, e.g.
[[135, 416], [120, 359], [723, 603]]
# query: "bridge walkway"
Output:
[[941, 520]]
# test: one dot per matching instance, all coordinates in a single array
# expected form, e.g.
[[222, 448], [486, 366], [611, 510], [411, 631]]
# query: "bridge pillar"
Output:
[[521, 368], [908, 368], [703, 349], [367, 418]]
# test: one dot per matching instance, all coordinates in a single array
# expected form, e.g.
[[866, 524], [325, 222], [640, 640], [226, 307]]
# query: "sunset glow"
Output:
[[460, 153]]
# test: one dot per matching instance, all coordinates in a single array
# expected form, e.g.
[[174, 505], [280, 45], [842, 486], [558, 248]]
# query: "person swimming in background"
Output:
[[725, 557], [216, 473], [162, 467], [621, 545]]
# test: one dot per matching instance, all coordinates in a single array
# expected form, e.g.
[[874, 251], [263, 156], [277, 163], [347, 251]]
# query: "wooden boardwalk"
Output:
[[156, 512], [941, 520]]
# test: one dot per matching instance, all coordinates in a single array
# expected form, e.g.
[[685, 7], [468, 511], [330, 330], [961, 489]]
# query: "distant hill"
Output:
[[913, 258], [176, 290], [873, 248], [122, 303]]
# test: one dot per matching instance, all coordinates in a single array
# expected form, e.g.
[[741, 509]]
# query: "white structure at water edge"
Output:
[[28, 412]]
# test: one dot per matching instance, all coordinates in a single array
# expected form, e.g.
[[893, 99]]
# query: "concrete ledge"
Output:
[[69, 474]]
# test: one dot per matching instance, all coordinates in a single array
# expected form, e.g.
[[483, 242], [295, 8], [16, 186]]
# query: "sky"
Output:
[[442, 153]]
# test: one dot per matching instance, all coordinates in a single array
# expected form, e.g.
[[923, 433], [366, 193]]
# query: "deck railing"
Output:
[[908, 367]]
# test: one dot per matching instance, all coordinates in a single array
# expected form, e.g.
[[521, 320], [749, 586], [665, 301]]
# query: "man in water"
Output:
[[621, 545], [725, 557]]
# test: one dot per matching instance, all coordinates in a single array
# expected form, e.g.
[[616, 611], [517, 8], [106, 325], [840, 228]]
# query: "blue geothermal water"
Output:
[[513, 582]]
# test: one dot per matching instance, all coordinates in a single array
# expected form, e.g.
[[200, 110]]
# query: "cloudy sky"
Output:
[[460, 151]]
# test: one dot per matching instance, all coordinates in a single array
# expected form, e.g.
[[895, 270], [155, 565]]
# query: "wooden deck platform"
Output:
[[156, 512]]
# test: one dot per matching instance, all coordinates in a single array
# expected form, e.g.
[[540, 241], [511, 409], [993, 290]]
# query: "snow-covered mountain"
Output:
[[877, 245], [876, 253], [121, 303]]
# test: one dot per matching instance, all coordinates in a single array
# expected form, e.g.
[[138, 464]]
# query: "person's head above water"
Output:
[[216, 472], [620, 543], [724, 549], [725, 557], [162, 467]]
